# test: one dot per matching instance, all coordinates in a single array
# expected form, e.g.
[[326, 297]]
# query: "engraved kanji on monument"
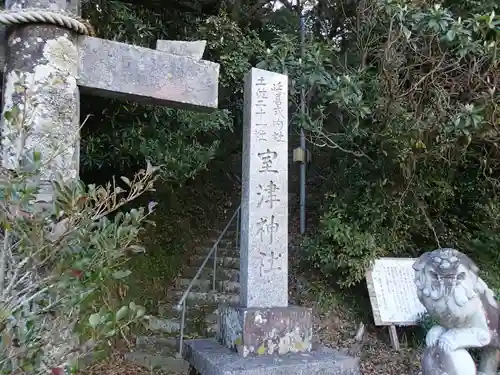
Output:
[[264, 323], [264, 204]]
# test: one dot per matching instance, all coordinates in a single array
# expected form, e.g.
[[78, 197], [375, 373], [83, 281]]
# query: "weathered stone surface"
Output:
[[159, 362], [70, 6], [173, 75], [210, 358], [438, 361], [40, 92], [264, 200], [264, 331], [3, 38], [119, 70], [40, 115], [465, 310], [192, 49]]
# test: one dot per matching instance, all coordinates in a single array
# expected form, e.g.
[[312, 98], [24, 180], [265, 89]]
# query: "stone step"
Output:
[[227, 242], [166, 346], [222, 261], [206, 298], [209, 354], [230, 233], [207, 273], [196, 325], [221, 251], [158, 362], [204, 285], [173, 311], [164, 325]]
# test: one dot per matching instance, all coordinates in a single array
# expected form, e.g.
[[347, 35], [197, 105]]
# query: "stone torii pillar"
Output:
[[45, 65]]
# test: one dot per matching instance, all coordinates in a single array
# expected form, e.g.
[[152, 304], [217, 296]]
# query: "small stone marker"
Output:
[[264, 323], [393, 294], [264, 326]]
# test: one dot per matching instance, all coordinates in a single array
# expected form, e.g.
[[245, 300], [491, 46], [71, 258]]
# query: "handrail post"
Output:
[[215, 266], [237, 245], [183, 318], [213, 252]]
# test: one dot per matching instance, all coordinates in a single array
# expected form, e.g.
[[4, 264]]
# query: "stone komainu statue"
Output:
[[466, 313]]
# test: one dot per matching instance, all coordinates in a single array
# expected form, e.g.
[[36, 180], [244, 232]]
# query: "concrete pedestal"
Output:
[[266, 330], [266, 341], [209, 357]]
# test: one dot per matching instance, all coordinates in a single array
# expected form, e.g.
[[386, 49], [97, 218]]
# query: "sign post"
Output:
[[393, 294]]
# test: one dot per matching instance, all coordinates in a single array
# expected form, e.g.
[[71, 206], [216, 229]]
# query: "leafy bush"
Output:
[[345, 249], [56, 263], [402, 106]]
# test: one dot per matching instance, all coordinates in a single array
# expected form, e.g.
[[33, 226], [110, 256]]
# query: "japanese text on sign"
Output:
[[393, 294]]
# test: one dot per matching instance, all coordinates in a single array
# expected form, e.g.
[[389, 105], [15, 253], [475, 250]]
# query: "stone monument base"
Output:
[[265, 330], [208, 357]]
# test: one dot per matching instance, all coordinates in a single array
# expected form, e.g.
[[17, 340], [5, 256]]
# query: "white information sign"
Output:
[[393, 294]]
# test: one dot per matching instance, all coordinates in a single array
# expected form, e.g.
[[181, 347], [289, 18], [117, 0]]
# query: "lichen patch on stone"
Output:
[[50, 123], [62, 54]]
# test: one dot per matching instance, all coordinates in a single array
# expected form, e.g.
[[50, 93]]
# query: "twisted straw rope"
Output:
[[77, 24]]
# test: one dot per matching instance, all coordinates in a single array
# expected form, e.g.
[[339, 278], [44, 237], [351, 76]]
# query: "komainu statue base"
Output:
[[466, 313], [435, 361]]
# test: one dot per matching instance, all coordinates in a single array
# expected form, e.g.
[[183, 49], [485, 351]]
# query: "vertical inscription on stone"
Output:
[[264, 208], [268, 194], [279, 122]]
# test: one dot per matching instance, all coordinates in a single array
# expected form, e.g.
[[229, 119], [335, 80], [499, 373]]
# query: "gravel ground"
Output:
[[116, 365]]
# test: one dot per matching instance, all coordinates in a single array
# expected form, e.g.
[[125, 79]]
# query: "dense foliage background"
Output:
[[402, 119]]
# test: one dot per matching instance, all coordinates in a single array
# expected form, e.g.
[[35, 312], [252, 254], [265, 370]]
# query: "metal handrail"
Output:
[[181, 305]]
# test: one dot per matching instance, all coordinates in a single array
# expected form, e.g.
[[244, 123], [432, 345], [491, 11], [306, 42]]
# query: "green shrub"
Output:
[[57, 261], [407, 135], [343, 249]]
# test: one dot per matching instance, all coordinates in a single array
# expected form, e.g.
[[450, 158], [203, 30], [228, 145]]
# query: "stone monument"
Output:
[[264, 333], [466, 313]]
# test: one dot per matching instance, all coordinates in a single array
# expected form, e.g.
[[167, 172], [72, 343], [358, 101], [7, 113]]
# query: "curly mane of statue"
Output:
[[466, 313]]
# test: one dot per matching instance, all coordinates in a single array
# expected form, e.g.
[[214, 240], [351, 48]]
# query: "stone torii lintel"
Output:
[[123, 71], [119, 70]]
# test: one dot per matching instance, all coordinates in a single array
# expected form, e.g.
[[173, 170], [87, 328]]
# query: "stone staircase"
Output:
[[160, 349]]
